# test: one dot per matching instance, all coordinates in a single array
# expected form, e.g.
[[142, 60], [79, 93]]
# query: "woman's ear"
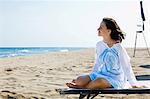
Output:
[[109, 31]]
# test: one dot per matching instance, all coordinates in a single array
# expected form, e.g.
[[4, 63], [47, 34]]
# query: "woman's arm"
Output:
[[99, 49], [125, 59], [95, 67]]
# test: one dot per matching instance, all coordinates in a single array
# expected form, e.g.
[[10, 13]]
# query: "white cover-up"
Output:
[[113, 64]]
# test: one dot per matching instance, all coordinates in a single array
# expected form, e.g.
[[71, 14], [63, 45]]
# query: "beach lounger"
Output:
[[145, 66], [143, 77], [90, 94]]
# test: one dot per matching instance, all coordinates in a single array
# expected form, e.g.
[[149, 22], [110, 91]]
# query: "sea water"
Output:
[[24, 51]]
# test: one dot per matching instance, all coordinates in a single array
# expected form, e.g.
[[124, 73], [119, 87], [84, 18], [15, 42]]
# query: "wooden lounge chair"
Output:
[[90, 94]]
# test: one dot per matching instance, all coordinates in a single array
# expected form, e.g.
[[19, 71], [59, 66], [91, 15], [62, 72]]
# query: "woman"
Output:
[[112, 68]]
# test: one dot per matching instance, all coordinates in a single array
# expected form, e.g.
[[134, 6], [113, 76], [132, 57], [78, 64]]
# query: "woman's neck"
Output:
[[110, 42]]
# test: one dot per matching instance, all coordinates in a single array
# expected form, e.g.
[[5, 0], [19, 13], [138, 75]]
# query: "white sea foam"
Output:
[[12, 55], [24, 51], [64, 50]]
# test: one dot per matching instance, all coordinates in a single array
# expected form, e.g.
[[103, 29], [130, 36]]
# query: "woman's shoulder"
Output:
[[121, 47], [123, 52], [99, 43], [100, 47], [118, 46]]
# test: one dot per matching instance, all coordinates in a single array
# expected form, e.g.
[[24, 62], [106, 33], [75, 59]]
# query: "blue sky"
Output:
[[73, 23]]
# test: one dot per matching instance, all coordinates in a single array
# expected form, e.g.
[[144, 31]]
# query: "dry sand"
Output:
[[37, 76]]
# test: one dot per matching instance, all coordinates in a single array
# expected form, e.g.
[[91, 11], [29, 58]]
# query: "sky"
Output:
[[68, 23]]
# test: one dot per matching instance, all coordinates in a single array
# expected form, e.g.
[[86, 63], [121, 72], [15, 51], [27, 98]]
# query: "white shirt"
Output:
[[124, 59]]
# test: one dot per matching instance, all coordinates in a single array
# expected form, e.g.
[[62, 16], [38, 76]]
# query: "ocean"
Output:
[[24, 51]]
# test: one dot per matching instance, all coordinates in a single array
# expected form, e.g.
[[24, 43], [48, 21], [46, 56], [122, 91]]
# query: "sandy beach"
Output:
[[37, 76]]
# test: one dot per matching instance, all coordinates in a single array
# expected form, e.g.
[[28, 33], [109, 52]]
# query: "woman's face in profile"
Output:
[[102, 30]]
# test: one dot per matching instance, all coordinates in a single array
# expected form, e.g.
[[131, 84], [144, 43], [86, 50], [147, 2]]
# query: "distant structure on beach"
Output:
[[141, 31]]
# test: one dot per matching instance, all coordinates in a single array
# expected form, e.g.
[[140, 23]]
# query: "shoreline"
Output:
[[27, 51]]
